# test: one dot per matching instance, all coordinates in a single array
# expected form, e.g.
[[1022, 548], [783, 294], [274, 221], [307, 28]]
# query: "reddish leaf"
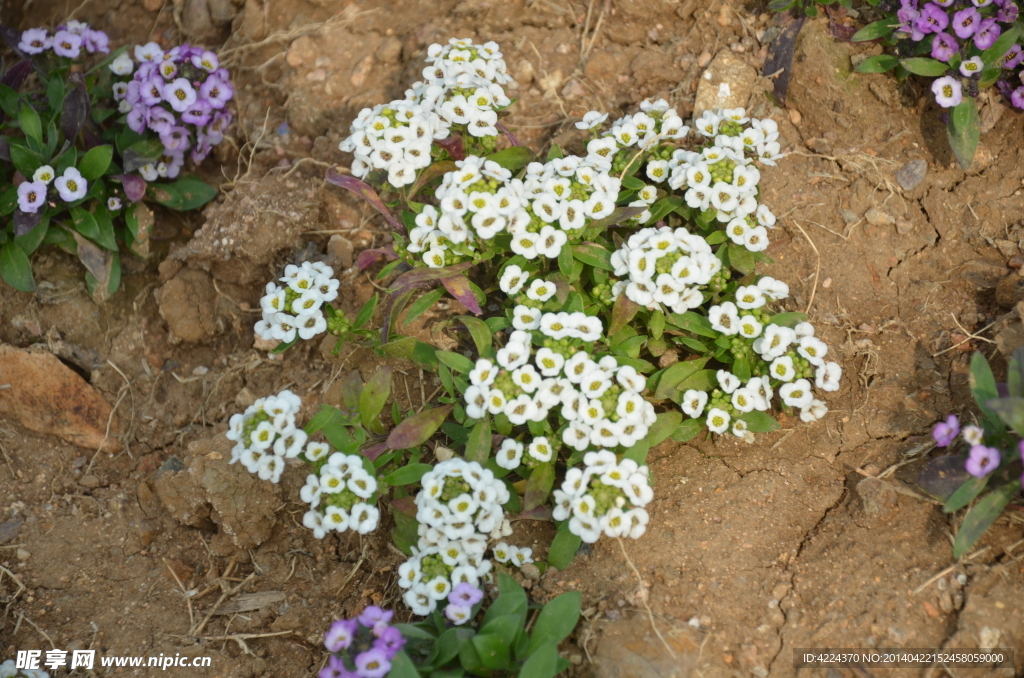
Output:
[[426, 277], [430, 173], [374, 451], [16, 74], [835, 26], [26, 221], [511, 137], [459, 288], [562, 286], [617, 217], [780, 59], [368, 258], [134, 186], [454, 147], [364, 191], [622, 312], [75, 111], [406, 505], [539, 513], [418, 428]]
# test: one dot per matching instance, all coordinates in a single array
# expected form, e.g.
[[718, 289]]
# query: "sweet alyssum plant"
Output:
[[986, 468], [967, 47], [74, 160]]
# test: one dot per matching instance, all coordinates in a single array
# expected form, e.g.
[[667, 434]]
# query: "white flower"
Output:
[[314, 521], [549, 362], [540, 290], [724, 318], [749, 297], [743, 400], [44, 174], [750, 328], [776, 341], [694, 402], [718, 420], [71, 185], [483, 373], [796, 394], [782, 368], [813, 349], [591, 120], [540, 449], [509, 455], [827, 376], [728, 381], [813, 412], [525, 318]]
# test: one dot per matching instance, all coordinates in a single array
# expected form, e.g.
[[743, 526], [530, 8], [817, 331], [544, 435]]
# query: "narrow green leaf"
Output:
[[790, 319], [538, 486], [983, 387], [984, 513], [373, 397], [542, 662], [402, 666], [693, 322], [15, 268], [878, 64], [456, 361], [924, 66], [513, 158], [638, 452], [563, 548], [878, 29], [422, 305], [964, 131], [1001, 46], [407, 475], [688, 430], [759, 422], [30, 123], [674, 375], [187, 193], [481, 334], [966, 493], [478, 448], [593, 254], [664, 425]]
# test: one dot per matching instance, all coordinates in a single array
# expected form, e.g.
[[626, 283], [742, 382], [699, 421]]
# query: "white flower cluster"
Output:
[[295, 309], [726, 317], [762, 135], [8, 669], [462, 86], [600, 399], [341, 491], [504, 553], [656, 121], [265, 435], [394, 138], [664, 268], [459, 510], [606, 496]]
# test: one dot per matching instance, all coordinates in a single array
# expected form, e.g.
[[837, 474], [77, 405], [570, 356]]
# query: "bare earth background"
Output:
[[783, 544]]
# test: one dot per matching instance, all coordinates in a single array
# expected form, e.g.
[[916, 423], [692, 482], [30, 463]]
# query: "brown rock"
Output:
[[1010, 290], [188, 303], [877, 217], [10, 530], [390, 51], [221, 11], [904, 226], [629, 649], [341, 247], [90, 482], [878, 498], [301, 51], [362, 71], [253, 25], [49, 397], [653, 67], [210, 490], [912, 174], [602, 66], [196, 21], [727, 83], [153, 5]]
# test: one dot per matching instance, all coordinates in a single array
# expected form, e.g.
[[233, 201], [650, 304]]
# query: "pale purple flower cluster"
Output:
[[981, 459], [461, 601], [71, 186], [182, 95], [68, 41], [954, 29], [362, 647]]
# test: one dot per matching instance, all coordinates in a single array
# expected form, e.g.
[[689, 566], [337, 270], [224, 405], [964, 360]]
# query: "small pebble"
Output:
[[200, 371], [89, 481], [704, 60], [694, 623], [912, 174], [794, 116], [22, 554]]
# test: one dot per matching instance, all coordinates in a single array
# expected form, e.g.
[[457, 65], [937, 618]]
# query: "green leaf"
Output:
[[494, 651], [407, 475], [878, 29], [741, 258], [664, 425], [563, 547], [693, 322], [402, 666], [507, 626], [984, 513], [556, 621], [966, 493], [422, 305], [688, 430], [656, 324], [141, 152], [674, 375], [1001, 46], [95, 162], [741, 368], [780, 5], [554, 153], [325, 416], [924, 66], [565, 263], [105, 227], [456, 361], [478, 448], [417, 429], [1010, 411], [542, 662], [412, 349], [8, 101], [787, 319], [878, 64], [513, 158], [702, 380], [187, 193], [623, 310], [372, 399], [481, 334], [366, 312], [963, 130], [759, 422], [1015, 373], [511, 600], [632, 184], [594, 255], [85, 223], [983, 387], [666, 205], [30, 123], [638, 452], [26, 160], [538, 486], [15, 268], [31, 241]]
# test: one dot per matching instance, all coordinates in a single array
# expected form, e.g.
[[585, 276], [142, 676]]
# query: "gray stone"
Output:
[[727, 83], [912, 174]]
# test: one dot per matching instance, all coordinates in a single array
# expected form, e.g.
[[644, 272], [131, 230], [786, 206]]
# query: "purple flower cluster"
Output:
[[182, 95], [362, 647], [461, 601], [68, 41], [981, 459], [954, 29]]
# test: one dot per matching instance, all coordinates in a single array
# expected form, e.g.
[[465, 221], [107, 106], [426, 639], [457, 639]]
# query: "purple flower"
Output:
[[217, 91], [458, 614], [972, 66], [168, 69], [138, 118], [982, 461], [1013, 57], [988, 32], [201, 149], [147, 69], [465, 594], [160, 119], [31, 196], [149, 52], [35, 41], [390, 641], [945, 432], [944, 46], [175, 138], [336, 669], [1017, 97], [1008, 14], [206, 60], [151, 91], [340, 635], [965, 22], [170, 164], [947, 91], [179, 94], [67, 44], [372, 664], [373, 614], [198, 114], [96, 41], [933, 19]]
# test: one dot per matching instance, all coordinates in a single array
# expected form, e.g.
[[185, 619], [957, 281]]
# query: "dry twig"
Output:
[[817, 267]]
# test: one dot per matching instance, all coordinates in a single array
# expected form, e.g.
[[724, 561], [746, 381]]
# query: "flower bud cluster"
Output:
[[296, 308], [341, 495], [605, 496], [362, 647], [265, 435]]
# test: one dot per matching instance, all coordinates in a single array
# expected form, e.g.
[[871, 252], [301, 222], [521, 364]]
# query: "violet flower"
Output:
[[933, 19], [389, 641], [965, 22], [340, 635], [373, 614], [465, 594], [335, 668], [982, 461], [944, 46], [216, 91], [372, 664], [988, 32], [31, 196], [1013, 57], [35, 41], [1017, 98], [1008, 13], [67, 44], [945, 432], [948, 92]]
